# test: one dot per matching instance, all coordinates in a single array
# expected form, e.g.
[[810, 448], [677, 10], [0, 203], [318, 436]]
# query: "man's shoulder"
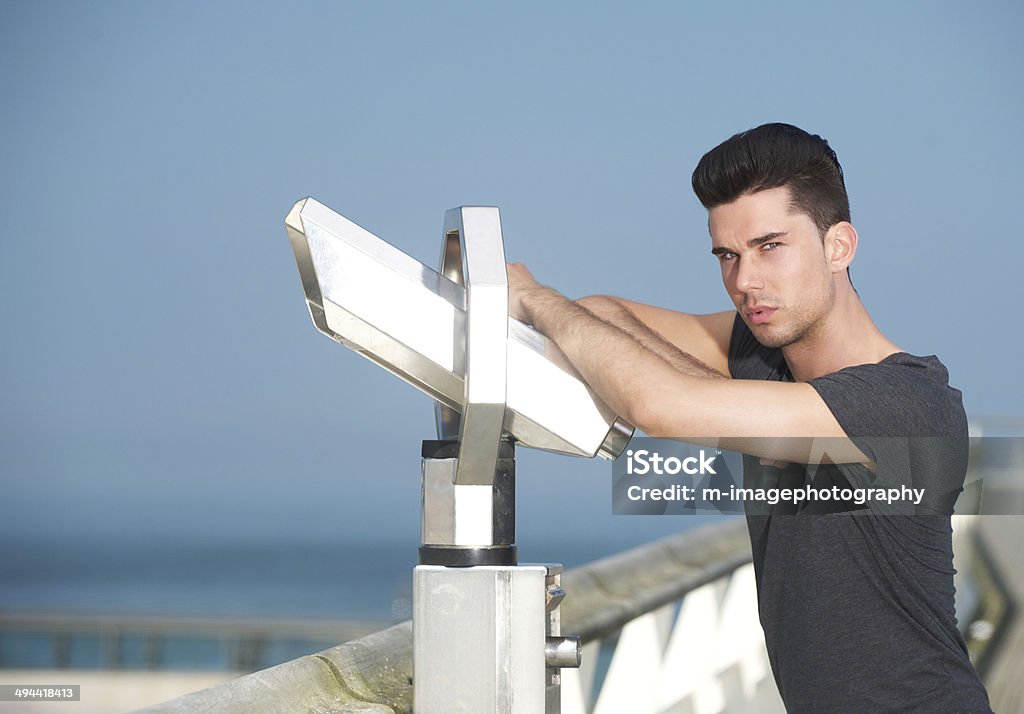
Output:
[[903, 414], [905, 367], [902, 395]]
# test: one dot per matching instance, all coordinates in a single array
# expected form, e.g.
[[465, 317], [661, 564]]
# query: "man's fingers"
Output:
[[519, 281], [519, 276]]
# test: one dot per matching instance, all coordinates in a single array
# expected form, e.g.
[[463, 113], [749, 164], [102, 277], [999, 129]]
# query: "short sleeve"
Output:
[[905, 417]]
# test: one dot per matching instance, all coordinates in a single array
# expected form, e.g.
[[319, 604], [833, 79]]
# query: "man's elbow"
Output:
[[646, 417]]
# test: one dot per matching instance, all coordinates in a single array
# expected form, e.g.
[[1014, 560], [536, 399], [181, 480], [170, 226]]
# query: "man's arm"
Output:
[[663, 401], [616, 312], [704, 338]]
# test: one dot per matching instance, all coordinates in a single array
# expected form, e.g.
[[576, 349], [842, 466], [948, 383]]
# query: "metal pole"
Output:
[[485, 630]]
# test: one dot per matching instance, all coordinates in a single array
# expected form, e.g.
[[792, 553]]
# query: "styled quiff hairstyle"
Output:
[[770, 156]]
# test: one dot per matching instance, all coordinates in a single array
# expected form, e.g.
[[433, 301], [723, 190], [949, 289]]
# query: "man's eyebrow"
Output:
[[752, 243], [761, 240]]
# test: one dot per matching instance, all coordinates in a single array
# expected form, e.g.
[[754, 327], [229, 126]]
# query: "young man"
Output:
[[856, 601]]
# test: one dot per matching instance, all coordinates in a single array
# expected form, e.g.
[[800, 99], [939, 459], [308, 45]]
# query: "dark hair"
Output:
[[770, 156]]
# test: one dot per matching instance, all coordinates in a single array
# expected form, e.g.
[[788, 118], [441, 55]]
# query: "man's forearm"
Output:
[[617, 314], [608, 358], [646, 390]]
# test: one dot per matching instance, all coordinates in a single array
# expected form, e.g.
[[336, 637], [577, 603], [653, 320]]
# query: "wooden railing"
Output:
[[668, 626], [619, 606]]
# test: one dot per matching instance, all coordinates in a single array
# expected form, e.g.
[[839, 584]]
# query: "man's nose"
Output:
[[748, 277]]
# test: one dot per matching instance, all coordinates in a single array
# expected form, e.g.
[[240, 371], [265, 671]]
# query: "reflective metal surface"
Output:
[[465, 514], [476, 231], [563, 652], [406, 317], [479, 640]]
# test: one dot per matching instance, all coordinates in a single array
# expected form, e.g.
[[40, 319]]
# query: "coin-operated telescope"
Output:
[[486, 633]]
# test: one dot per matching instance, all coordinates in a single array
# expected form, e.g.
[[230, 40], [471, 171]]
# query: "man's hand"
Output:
[[520, 282]]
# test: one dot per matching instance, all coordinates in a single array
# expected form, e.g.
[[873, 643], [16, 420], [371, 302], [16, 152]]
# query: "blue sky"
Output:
[[160, 377]]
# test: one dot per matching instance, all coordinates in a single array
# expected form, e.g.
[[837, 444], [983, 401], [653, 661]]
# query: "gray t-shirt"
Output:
[[856, 601]]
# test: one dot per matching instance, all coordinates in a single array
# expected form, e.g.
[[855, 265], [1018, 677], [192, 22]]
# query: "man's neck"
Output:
[[846, 337]]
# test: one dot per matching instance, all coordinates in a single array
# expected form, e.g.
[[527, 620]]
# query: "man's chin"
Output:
[[769, 337]]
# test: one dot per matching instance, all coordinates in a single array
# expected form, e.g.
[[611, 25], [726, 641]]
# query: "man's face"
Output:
[[773, 266]]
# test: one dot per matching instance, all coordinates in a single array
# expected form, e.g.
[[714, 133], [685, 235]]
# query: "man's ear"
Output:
[[840, 246]]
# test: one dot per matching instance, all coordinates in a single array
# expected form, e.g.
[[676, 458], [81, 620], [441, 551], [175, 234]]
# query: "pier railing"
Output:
[[59, 641], [668, 626], [657, 608]]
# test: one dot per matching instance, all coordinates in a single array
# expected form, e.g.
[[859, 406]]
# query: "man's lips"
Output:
[[759, 315]]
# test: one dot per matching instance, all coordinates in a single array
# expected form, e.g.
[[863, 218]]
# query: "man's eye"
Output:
[[726, 256], [770, 246]]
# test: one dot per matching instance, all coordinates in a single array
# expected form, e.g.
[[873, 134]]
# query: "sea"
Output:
[[84, 585]]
